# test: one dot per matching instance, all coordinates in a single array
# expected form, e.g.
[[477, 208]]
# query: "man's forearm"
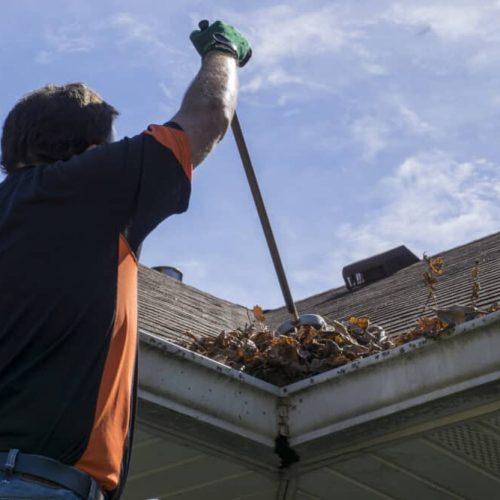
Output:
[[209, 103]]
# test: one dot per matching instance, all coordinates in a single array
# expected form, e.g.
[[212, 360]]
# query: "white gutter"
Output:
[[412, 374], [201, 388]]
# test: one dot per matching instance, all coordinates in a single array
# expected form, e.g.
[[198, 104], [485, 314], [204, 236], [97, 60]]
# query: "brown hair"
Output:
[[55, 123]]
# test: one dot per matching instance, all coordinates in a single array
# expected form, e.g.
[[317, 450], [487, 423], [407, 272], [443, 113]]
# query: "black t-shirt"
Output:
[[68, 296]]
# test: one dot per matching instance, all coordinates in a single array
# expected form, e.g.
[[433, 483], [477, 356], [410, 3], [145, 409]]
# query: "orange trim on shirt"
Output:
[[177, 141], [102, 459]]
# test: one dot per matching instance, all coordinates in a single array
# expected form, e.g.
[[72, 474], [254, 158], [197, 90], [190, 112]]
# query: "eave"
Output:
[[352, 413], [422, 421]]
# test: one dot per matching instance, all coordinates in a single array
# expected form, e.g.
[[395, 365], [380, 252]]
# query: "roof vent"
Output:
[[377, 267], [170, 271]]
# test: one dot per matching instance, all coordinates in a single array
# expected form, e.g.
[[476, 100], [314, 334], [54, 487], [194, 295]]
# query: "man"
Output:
[[74, 209]]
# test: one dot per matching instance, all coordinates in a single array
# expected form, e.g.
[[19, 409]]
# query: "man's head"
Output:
[[55, 123]]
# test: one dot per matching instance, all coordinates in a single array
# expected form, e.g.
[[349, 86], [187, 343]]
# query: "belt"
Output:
[[15, 462]]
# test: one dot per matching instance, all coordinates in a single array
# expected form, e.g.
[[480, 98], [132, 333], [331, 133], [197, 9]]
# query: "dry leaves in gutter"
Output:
[[261, 352], [281, 360]]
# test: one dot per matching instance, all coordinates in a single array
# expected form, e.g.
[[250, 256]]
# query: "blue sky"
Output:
[[370, 125]]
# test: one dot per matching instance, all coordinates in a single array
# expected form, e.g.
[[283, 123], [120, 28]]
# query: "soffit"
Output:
[[165, 467], [457, 461], [454, 462]]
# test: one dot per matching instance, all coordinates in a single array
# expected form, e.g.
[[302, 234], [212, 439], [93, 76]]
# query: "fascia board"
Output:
[[203, 389], [410, 375]]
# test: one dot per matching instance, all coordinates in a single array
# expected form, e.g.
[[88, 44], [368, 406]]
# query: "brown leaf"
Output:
[[426, 324], [262, 339], [258, 314], [339, 360], [355, 351], [283, 350], [436, 265], [362, 322], [306, 334], [339, 339]]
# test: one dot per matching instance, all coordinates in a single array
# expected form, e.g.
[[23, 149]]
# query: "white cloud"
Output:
[[432, 202], [413, 121], [450, 20], [133, 30], [374, 69], [283, 36], [43, 57], [351, 37], [149, 44], [279, 77], [70, 39], [254, 85], [393, 121], [487, 57], [272, 78], [283, 32], [372, 134], [167, 91], [120, 30]]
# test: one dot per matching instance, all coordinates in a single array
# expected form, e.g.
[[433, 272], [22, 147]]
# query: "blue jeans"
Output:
[[13, 487]]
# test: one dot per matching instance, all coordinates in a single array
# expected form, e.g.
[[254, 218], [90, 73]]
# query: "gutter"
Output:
[[398, 379], [208, 391], [303, 412]]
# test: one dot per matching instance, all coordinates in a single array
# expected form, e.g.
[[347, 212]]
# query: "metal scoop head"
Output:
[[304, 320]]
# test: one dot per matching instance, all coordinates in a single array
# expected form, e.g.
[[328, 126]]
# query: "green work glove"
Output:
[[221, 36]]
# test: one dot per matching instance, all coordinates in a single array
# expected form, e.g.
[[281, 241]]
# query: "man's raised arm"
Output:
[[208, 106]]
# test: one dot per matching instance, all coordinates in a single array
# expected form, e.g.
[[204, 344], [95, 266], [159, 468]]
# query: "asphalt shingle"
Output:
[[169, 308]]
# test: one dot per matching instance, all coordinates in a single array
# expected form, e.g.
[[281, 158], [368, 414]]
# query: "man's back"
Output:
[[68, 298]]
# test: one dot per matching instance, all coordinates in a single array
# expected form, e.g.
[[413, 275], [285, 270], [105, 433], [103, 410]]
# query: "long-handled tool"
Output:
[[296, 320]]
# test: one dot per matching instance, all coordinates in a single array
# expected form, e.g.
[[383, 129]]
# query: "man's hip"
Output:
[[21, 471]]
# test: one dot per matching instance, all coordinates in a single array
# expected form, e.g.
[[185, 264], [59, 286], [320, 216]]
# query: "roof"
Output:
[[395, 302], [169, 308]]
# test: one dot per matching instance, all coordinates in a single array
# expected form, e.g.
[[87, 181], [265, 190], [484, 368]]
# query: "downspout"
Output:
[[287, 487]]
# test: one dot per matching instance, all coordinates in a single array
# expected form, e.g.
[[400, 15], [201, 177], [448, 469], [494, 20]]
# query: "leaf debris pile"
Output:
[[261, 352], [282, 359]]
